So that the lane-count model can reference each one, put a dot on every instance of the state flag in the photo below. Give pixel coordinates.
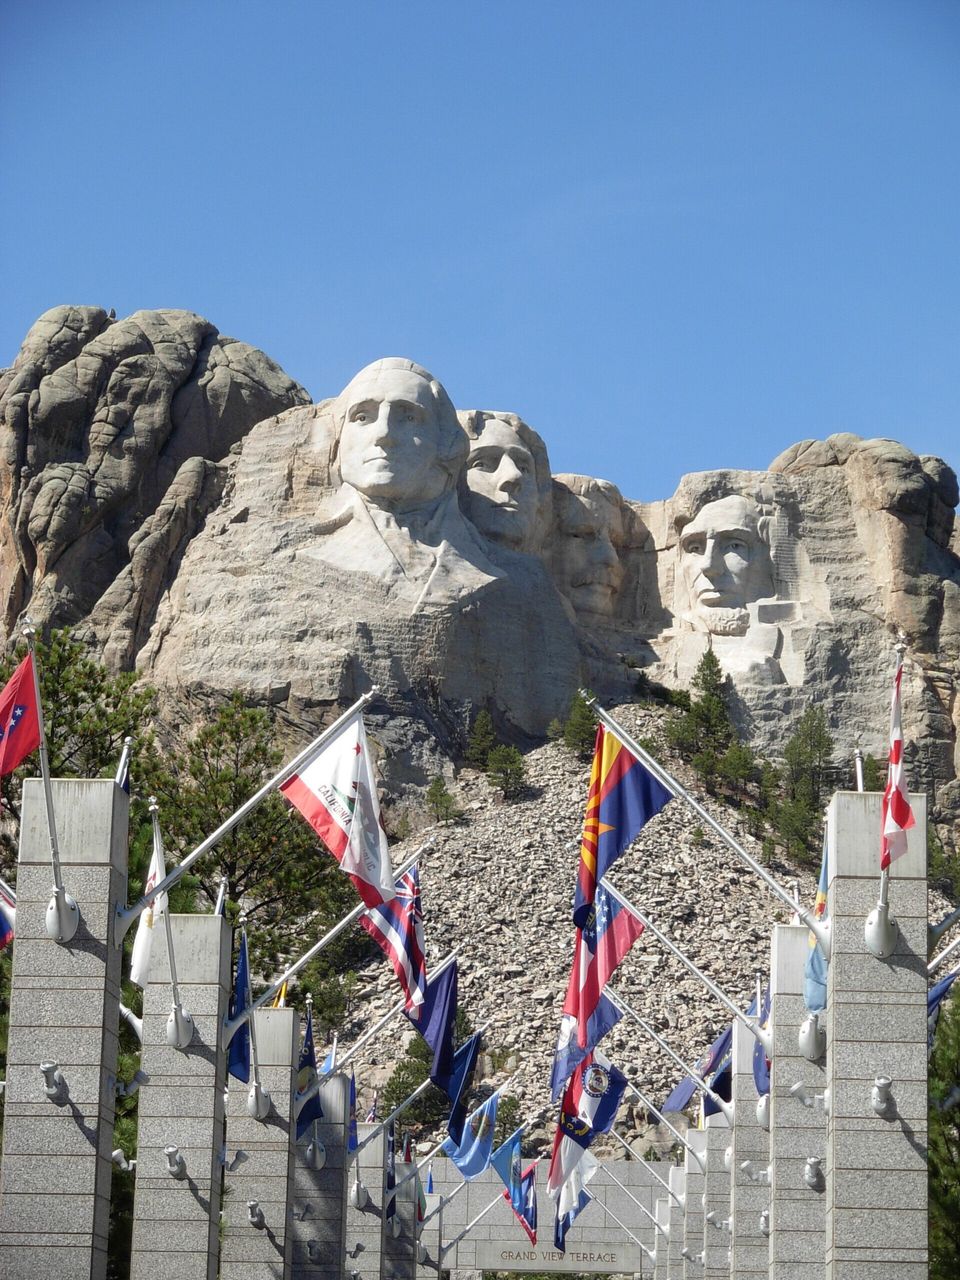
(815, 965)
(458, 1083)
(8, 920)
(507, 1162)
(472, 1153)
(306, 1100)
(337, 794)
(238, 1055)
(569, 1053)
(397, 928)
(143, 939)
(896, 814)
(573, 1198)
(608, 933)
(622, 797)
(526, 1214)
(19, 717)
(353, 1139)
(434, 1019)
(589, 1107)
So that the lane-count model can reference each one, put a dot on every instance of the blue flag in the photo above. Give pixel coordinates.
(435, 1021)
(238, 1055)
(761, 1063)
(472, 1153)
(307, 1080)
(569, 1054)
(706, 1066)
(352, 1140)
(815, 971)
(457, 1085)
(565, 1222)
(935, 998)
(390, 1178)
(430, 1179)
(506, 1160)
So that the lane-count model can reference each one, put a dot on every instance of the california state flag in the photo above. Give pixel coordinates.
(336, 793)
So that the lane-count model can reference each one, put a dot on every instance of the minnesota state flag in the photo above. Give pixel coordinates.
(622, 798)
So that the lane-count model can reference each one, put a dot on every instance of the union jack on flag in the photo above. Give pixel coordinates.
(397, 928)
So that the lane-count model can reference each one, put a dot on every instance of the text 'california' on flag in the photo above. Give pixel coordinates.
(19, 717)
(897, 815)
(623, 796)
(608, 933)
(336, 793)
(397, 928)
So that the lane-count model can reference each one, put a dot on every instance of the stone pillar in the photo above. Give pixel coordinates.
(678, 1185)
(399, 1241)
(797, 1132)
(662, 1214)
(748, 1141)
(264, 1152)
(364, 1231)
(876, 1196)
(318, 1200)
(716, 1200)
(176, 1223)
(693, 1207)
(64, 1008)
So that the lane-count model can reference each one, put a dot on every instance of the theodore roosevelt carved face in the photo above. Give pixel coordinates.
(400, 443)
(725, 564)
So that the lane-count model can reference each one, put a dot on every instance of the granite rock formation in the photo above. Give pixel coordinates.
(177, 498)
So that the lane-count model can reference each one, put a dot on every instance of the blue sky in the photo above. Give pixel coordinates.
(673, 236)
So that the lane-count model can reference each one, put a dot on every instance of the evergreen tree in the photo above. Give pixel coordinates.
(482, 740)
(580, 727)
(806, 759)
(703, 734)
(507, 771)
(440, 802)
(944, 1146)
(433, 1105)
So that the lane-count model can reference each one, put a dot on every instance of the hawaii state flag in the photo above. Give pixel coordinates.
(623, 796)
(397, 928)
(19, 717)
(336, 793)
(608, 933)
(897, 815)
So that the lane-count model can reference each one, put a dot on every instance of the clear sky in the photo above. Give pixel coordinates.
(671, 235)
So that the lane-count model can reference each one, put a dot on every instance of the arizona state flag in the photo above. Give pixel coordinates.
(622, 798)
(19, 718)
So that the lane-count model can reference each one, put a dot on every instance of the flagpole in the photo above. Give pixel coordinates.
(180, 1023)
(819, 928)
(124, 764)
(392, 1116)
(643, 1209)
(649, 1252)
(934, 931)
(8, 890)
(397, 1008)
(445, 1248)
(125, 916)
(232, 1025)
(638, 1093)
(446, 1200)
(937, 961)
(258, 1099)
(722, 1103)
(648, 1166)
(63, 914)
(880, 929)
(519, 1129)
(753, 1025)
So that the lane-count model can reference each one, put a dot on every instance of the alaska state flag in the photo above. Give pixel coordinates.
(815, 972)
(607, 934)
(457, 1085)
(623, 796)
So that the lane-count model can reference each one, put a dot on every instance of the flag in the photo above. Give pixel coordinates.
(238, 1055)
(336, 793)
(573, 1198)
(589, 1107)
(622, 797)
(330, 1061)
(608, 933)
(721, 1082)
(352, 1140)
(457, 1085)
(679, 1099)
(280, 999)
(397, 929)
(143, 939)
(815, 966)
(935, 998)
(372, 1113)
(897, 815)
(390, 1175)
(19, 717)
(430, 1179)
(761, 1063)
(8, 920)
(526, 1214)
(472, 1153)
(407, 1158)
(506, 1160)
(569, 1053)
(306, 1101)
(434, 1020)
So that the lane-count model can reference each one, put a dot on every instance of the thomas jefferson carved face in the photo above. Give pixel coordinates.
(400, 443)
(499, 491)
(725, 563)
(588, 529)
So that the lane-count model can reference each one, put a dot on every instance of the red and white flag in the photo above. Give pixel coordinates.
(897, 815)
(336, 793)
(397, 929)
(19, 718)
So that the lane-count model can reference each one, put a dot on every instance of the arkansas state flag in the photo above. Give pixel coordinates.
(897, 815)
(336, 793)
(623, 796)
(19, 718)
(397, 928)
(608, 934)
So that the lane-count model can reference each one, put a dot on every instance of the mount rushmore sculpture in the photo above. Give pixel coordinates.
(177, 499)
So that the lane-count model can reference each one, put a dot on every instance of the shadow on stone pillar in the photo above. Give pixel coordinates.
(748, 1141)
(318, 1199)
(693, 1208)
(56, 1166)
(716, 1200)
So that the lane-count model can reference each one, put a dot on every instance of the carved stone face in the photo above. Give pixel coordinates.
(724, 562)
(499, 492)
(589, 527)
(390, 440)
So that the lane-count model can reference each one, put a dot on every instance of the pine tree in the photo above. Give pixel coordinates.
(580, 727)
(482, 740)
(703, 734)
(440, 802)
(506, 771)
